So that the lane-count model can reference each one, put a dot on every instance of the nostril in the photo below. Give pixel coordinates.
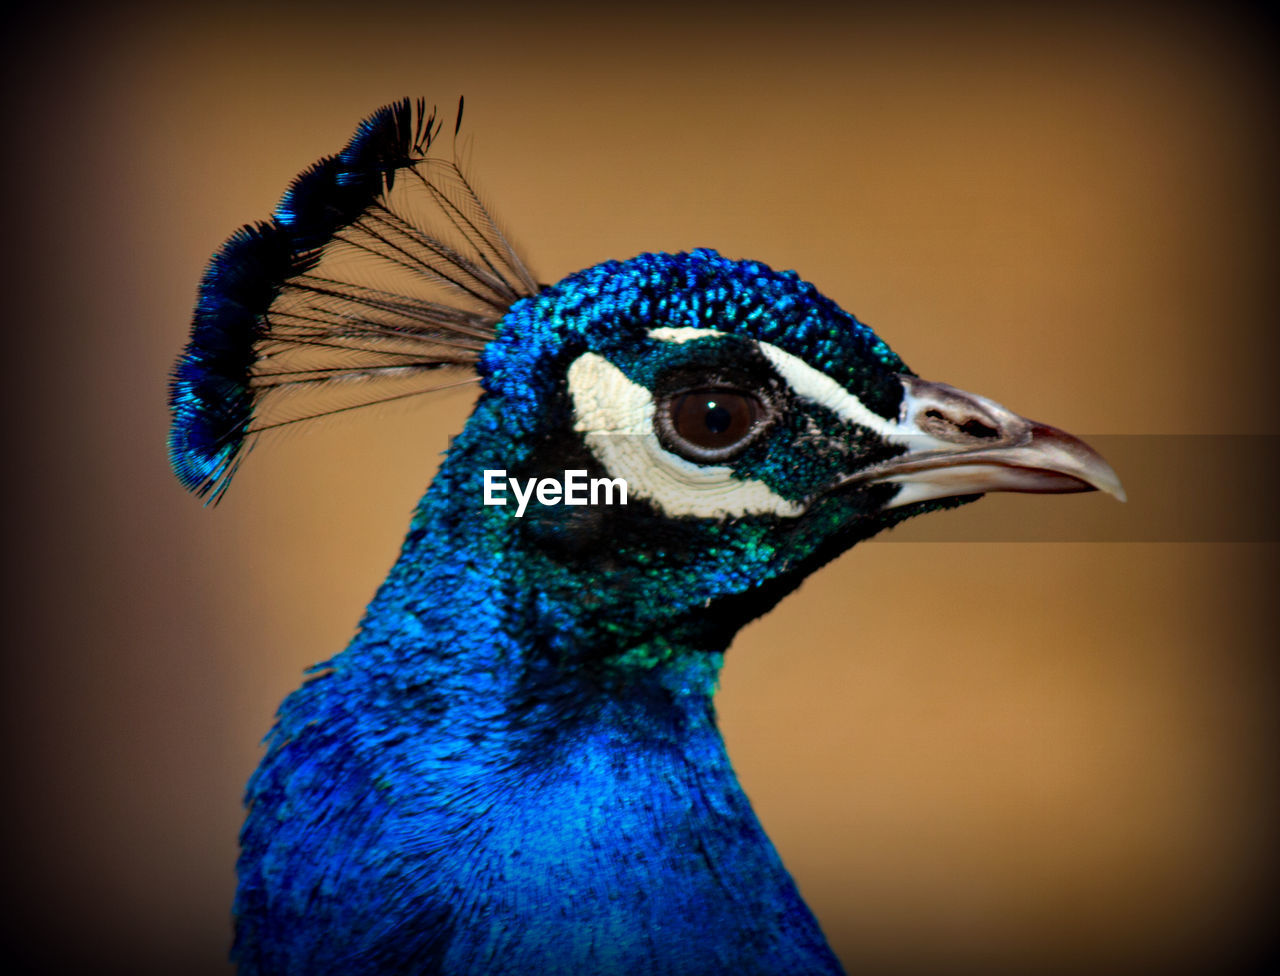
(939, 422)
(976, 428)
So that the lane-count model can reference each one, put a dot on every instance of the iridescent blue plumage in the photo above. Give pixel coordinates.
(515, 765)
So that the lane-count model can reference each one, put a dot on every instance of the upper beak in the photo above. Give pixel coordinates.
(962, 444)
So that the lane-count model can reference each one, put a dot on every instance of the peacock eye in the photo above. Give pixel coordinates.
(710, 425)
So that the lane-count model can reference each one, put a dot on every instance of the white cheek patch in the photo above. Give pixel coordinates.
(615, 417)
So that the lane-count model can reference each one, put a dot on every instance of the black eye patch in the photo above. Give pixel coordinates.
(714, 397)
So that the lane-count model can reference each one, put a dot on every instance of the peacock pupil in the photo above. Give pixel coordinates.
(718, 418)
(714, 419)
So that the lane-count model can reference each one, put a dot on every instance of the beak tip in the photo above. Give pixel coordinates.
(1116, 491)
(1103, 477)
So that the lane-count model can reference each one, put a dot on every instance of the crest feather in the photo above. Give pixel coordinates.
(379, 268)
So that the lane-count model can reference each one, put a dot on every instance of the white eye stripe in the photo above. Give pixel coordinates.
(817, 387)
(805, 381)
(615, 417)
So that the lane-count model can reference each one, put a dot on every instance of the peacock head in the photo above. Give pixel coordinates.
(755, 429)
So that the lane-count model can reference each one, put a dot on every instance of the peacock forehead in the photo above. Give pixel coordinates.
(611, 307)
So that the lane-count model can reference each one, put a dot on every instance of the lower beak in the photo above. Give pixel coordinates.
(962, 444)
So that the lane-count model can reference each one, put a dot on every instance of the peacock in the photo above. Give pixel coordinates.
(515, 765)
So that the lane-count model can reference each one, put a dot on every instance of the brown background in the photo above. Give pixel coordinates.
(975, 757)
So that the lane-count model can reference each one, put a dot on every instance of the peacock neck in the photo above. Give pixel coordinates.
(591, 791)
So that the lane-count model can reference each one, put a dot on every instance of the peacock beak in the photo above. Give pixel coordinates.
(960, 443)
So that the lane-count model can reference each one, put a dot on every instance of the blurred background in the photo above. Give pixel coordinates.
(977, 754)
